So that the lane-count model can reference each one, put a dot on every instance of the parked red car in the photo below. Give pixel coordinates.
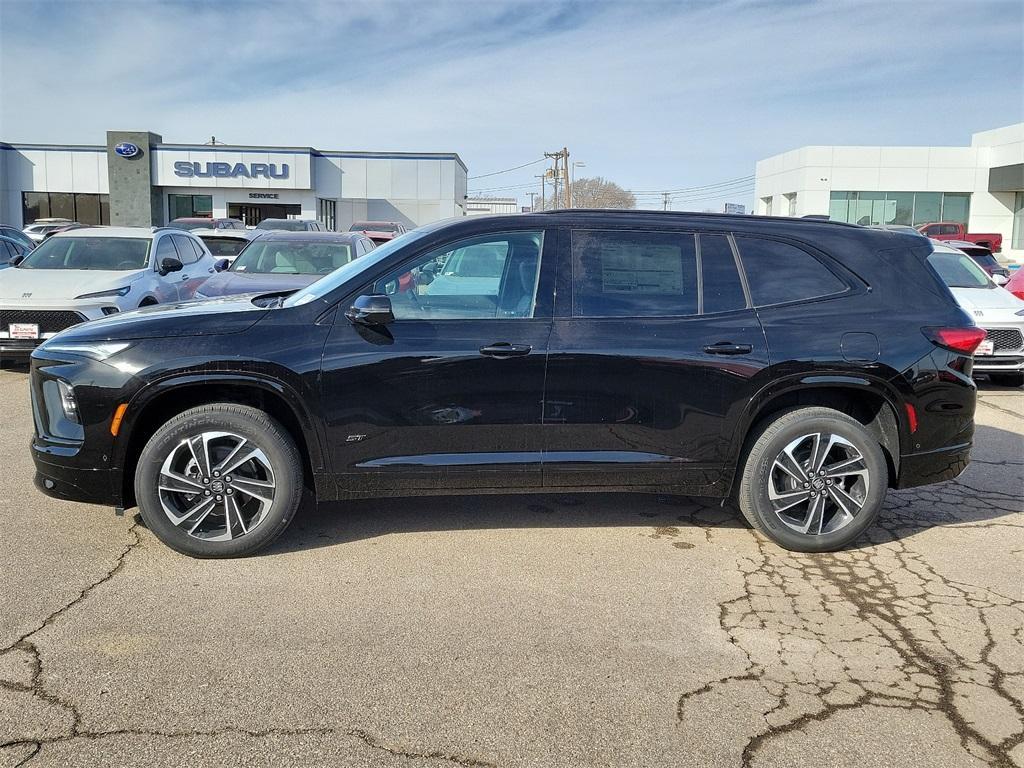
(1016, 283)
(951, 230)
(378, 231)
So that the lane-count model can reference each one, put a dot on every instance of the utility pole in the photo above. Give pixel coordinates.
(542, 190)
(664, 201)
(560, 175)
(532, 195)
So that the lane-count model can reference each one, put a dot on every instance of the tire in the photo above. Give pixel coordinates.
(846, 501)
(185, 498)
(1007, 379)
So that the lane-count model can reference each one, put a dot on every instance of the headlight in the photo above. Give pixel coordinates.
(103, 294)
(96, 350)
(67, 401)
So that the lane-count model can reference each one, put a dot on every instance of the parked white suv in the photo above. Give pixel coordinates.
(999, 312)
(84, 274)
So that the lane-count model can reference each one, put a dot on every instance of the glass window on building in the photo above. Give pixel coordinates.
(927, 207)
(906, 208)
(838, 206)
(1017, 237)
(791, 204)
(956, 206)
(327, 213)
(62, 205)
(76, 206)
(189, 206)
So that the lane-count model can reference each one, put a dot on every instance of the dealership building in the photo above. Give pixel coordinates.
(981, 185)
(138, 180)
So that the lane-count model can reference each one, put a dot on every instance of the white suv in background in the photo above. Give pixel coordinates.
(84, 274)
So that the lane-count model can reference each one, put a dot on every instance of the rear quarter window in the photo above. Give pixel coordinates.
(778, 273)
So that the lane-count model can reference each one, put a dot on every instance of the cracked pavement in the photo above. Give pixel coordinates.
(556, 630)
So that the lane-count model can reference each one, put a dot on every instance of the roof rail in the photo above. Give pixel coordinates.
(696, 214)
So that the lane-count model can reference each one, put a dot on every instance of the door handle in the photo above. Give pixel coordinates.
(728, 348)
(503, 349)
(184, 278)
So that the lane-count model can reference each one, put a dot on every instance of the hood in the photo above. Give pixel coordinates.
(228, 283)
(62, 283)
(989, 304)
(191, 318)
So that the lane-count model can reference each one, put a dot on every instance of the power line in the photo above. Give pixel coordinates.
(507, 170)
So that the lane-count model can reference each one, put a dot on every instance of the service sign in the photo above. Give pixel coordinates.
(253, 169)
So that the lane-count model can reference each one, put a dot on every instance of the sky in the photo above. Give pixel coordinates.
(651, 95)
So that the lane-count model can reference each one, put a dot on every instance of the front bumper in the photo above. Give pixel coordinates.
(75, 483)
(999, 364)
(51, 317)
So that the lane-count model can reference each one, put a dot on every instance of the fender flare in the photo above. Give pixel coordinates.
(311, 434)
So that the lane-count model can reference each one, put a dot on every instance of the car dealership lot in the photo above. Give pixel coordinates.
(519, 630)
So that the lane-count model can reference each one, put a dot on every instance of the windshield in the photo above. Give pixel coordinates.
(101, 253)
(325, 285)
(985, 259)
(189, 225)
(282, 257)
(958, 270)
(285, 225)
(224, 247)
(373, 226)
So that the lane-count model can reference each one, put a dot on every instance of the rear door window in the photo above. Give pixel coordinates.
(185, 251)
(778, 272)
(634, 274)
(721, 287)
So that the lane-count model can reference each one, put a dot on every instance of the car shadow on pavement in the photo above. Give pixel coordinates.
(987, 491)
(331, 523)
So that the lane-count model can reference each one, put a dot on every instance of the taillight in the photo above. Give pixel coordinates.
(964, 340)
(1019, 294)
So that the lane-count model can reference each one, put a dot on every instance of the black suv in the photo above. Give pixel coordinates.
(800, 367)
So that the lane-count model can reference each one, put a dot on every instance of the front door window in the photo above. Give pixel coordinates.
(489, 277)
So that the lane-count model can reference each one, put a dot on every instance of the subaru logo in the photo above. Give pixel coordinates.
(127, 149)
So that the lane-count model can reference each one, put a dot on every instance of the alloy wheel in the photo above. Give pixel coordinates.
(818, 483)
(216, 486)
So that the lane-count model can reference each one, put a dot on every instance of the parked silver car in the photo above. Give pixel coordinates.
(86, 274)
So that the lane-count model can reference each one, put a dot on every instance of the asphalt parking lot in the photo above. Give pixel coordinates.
(556, 630)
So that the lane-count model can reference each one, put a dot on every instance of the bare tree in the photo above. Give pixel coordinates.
(597, 192)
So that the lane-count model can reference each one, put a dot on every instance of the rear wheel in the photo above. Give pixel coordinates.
(220, 480)
(813, 480)
(1007, 379)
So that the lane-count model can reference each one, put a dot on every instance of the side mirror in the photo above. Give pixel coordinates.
(17, 260)
(371, 310)
(170, 264)
(1000, 279)
(221, 264)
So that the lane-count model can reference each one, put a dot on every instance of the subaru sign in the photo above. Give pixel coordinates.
(127, 149)
(188, 170)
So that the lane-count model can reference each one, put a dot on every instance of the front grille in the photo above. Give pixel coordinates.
(48, 320)
(1006, 339)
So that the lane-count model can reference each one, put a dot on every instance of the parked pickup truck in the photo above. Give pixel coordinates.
(950, 230)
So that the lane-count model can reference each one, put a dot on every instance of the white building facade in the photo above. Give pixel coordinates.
(103, 184)
(481, 206)
(981, 186)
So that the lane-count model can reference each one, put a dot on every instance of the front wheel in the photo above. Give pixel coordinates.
(813, 480)
(220, 480)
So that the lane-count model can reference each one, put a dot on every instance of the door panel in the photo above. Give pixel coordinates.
(648, 401)
(442, 397)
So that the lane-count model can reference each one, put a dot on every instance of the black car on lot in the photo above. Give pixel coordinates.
(280, 261)
(800, 367)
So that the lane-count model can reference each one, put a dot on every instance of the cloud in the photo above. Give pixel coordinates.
(651, 95)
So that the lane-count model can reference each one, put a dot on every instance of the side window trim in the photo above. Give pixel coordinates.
(700, 273)
(742, 272)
